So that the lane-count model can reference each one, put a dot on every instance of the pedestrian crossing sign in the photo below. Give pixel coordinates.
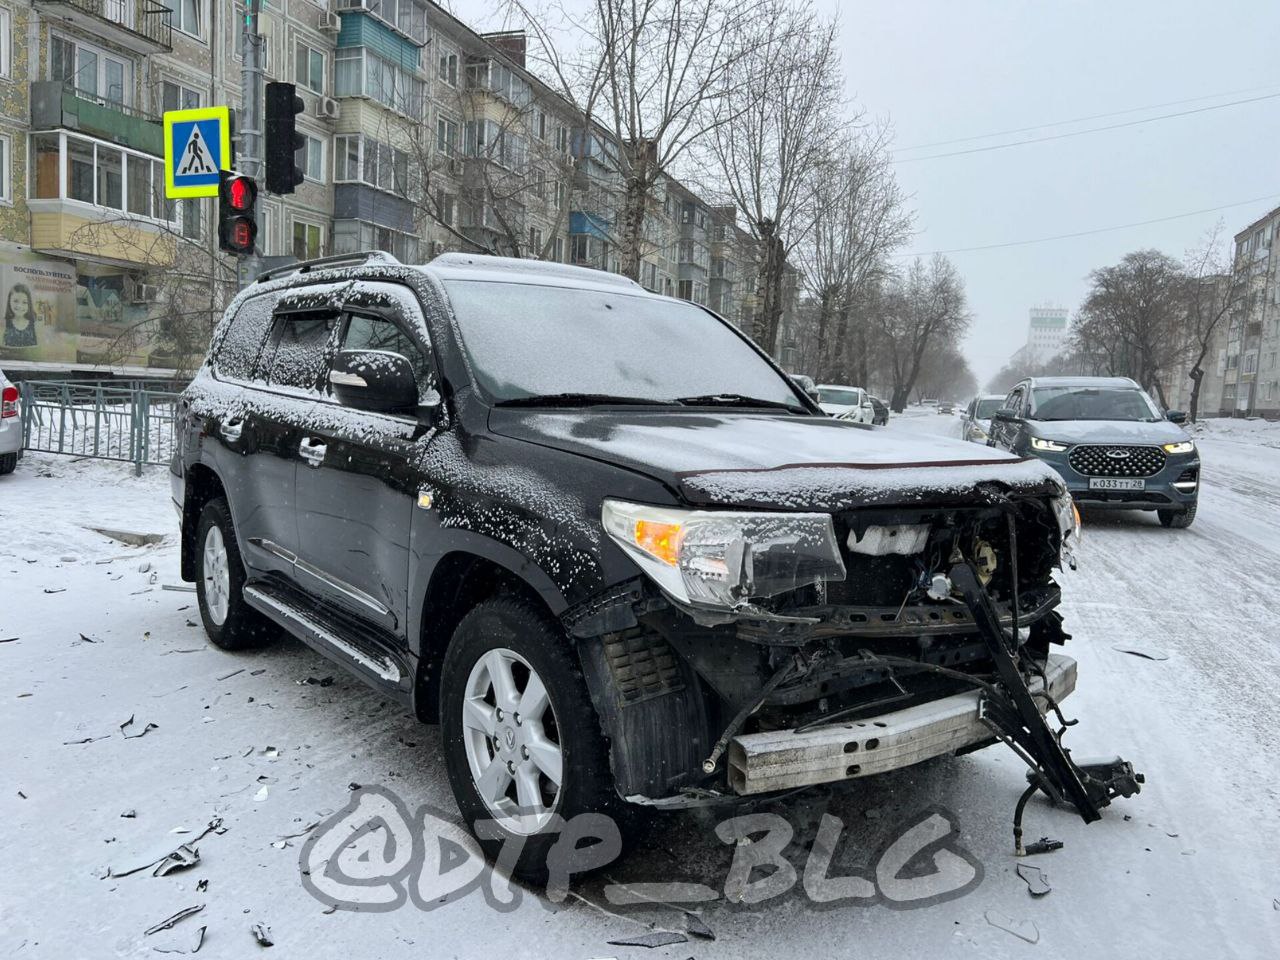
(197, 147)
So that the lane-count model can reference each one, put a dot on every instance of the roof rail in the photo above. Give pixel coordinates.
(337, 260)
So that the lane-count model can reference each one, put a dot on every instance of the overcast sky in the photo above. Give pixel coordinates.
(942, 70)
(947, 69)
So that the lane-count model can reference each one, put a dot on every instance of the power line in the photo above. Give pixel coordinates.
(1080, 133)
(1096, 116)
(1088, 233)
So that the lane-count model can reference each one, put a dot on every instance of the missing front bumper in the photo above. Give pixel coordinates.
(785, 759)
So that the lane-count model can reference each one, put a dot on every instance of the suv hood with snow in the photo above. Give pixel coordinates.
(717, 458)
(1108, 431)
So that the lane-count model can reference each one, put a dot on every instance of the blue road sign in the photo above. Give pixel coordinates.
(197, 146)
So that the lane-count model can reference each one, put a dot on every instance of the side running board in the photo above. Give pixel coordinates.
(323, 635)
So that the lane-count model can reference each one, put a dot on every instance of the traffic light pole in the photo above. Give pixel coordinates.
(250, 154)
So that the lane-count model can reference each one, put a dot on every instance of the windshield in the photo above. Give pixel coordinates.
(987, 408)
(527, 340)
(844, 398)
(1093, 403)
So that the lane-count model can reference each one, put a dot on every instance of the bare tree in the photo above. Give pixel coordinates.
(780, 125)
(860, 218)
(925, 308)
(1215, 290)
(1132, 321)
(651, 74)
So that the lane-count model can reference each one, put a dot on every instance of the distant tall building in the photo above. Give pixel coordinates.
(1046, 333)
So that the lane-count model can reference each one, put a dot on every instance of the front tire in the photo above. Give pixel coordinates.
(8, 462)
(1178, 519)
(230, 622)
(522, 741)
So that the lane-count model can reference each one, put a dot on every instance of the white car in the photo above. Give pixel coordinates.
(975, 422)
(846, 403)
(10, 426)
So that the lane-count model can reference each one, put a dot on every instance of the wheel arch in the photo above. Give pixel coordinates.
(202, 485)
(459, 581)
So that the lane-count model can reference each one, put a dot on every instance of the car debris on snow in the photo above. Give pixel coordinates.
(1035, 878)
(1144, 654)
(195, 948)
(697, 927)
(183, 858)
(130, 538)
(7, 639)
(313, 681)
(88, 639)
(177, 587)
(228, 676)
(658, 938)
(129, 814)
(124, 729)
(71, 743)
(262, 933)
(176, 918)
(1044, 845)
(1023, 929)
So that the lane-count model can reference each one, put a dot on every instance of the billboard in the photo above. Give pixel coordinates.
(38, 297)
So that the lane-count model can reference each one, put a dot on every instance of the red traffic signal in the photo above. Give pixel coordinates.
(237, 226)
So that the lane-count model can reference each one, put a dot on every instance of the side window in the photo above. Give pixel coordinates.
(366, 332)
(241, 344)
(1013, 399)
(297, 351)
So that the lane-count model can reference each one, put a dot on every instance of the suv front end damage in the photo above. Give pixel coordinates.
(816, 646)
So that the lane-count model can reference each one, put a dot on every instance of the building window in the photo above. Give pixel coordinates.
(448, 69)
(562, 190)
(310, 157)
(309, 68)
(95, 172)
(190, 218)
(361, 73)
(444, 207)
(407, 16)
(6, 42)
(535, 242)
(366, 160)
(92, 71)
(352, 235)
(184, 15)
(446, 136)
(557, 249)
(174, 96)
(308, 240)
(540, 124)
(6, 172)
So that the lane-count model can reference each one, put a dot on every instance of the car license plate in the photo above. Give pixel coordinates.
(1116, 483)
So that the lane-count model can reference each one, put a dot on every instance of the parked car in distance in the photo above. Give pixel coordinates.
(1108, 440)
(947, 407)
(975, 422)
(929, 402)
(10, 426)
(806, 384)
(846, 403)
(602, 539)
(880, 409)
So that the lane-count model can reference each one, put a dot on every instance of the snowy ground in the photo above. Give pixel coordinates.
(1187, 869)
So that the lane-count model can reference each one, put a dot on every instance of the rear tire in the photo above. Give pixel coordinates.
(1178, 519)
(230, 622)
(8, 462)
(512, 639)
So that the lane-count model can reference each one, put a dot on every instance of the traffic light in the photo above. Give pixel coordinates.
(237, 226)
(282, 141)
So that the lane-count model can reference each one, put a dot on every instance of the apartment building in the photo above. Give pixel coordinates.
(1250, 361)
(422, 136)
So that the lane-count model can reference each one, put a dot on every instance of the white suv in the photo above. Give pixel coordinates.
(846, 403)
(10, 426)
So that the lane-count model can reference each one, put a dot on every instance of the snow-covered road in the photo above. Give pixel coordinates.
(1187, 869)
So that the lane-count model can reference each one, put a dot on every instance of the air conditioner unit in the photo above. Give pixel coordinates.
(329, 21)
(327, 108)
(144, 292)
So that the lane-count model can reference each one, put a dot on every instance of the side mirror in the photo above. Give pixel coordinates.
(1006, 413)
(374, 380)
(1176, 416)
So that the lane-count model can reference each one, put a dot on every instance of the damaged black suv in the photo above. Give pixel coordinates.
(608, 544)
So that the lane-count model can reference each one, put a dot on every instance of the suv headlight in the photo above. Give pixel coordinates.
(1182, 446)
(1050, 446)
(721, 559)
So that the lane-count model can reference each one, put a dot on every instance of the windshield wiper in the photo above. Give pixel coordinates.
(578, 400)
(738, 400)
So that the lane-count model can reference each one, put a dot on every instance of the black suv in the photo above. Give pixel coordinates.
(603, 540)
(1108, 440)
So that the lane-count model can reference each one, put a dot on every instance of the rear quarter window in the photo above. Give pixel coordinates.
(298, 350)
(247, 331)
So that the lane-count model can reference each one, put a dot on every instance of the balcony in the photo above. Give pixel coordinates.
(143, 26)
(57, 105)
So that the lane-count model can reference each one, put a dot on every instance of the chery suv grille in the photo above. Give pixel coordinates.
(1098, 460)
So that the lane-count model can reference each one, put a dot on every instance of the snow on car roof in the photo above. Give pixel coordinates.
(1081, 382)
(466, 266)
